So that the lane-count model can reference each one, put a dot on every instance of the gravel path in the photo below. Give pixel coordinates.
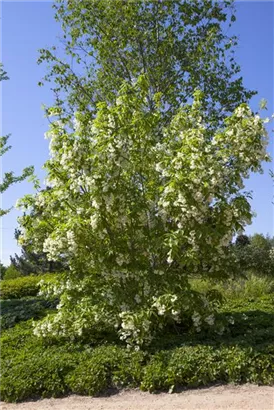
(247, 397)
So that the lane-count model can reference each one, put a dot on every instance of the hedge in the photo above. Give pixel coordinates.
(23, 286)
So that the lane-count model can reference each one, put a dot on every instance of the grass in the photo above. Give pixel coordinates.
(33, 368)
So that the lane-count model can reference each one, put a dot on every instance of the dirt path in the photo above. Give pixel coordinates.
(247, 397)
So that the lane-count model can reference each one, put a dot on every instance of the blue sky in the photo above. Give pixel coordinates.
(28, 26)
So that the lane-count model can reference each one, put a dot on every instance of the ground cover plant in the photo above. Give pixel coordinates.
(33, 367)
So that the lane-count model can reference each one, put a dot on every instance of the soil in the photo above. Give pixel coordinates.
(246, 397)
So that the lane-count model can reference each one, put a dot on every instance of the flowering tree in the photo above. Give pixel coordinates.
(137, 208)
(180, 45)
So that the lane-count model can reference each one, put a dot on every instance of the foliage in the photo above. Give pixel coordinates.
(9, 178)
(23, 286)
(32, 263)
(3, 73)
(11, 273)
(34, 367)
(250, 286)
(41, 375)
(180, 45)
(31, 369)
(137, 208)
(17, 310)
(257, 255)
(104, 367)
(242, 240)
(195, 366)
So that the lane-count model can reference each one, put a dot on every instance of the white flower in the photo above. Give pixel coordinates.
(196, 318)
(137, 299)
(271, 253)
(161, 310)
(240, 111)
(231, 320)
(120, 260)
(94, 221)
(158, 167)
(210, 320)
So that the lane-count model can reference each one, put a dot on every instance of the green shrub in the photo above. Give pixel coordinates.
(200, 365)
(255, 255)
(32, 369)
(23, 286)
(107, 366)
(36, 375)
(17, 310)
(251, 286)
(130, 370)
(89, 378)
(11, 273)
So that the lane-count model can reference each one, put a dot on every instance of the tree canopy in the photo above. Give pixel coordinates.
(180, 45)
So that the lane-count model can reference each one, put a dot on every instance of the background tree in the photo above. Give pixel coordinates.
(11, 273)
(242, 240)
(255, 254)
(9, 177)
(3, 269)
(30, 262)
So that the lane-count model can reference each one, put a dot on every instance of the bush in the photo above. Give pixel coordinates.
(194, 366)
(11, 273)
(23, 286)
(41, 375)
(250, 286)
(14, 310)
(35, 367)
(107, 366)
(32, 369)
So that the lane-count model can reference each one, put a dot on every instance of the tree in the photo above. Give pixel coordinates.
(179, 45)
(30, 262)
(261, 242)
(3, 269)
(145, 186)
(9, 177)
(137, 208)
(256, 255)
(3, 73)
(260, 252)
(11, 273)
(242, 240)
